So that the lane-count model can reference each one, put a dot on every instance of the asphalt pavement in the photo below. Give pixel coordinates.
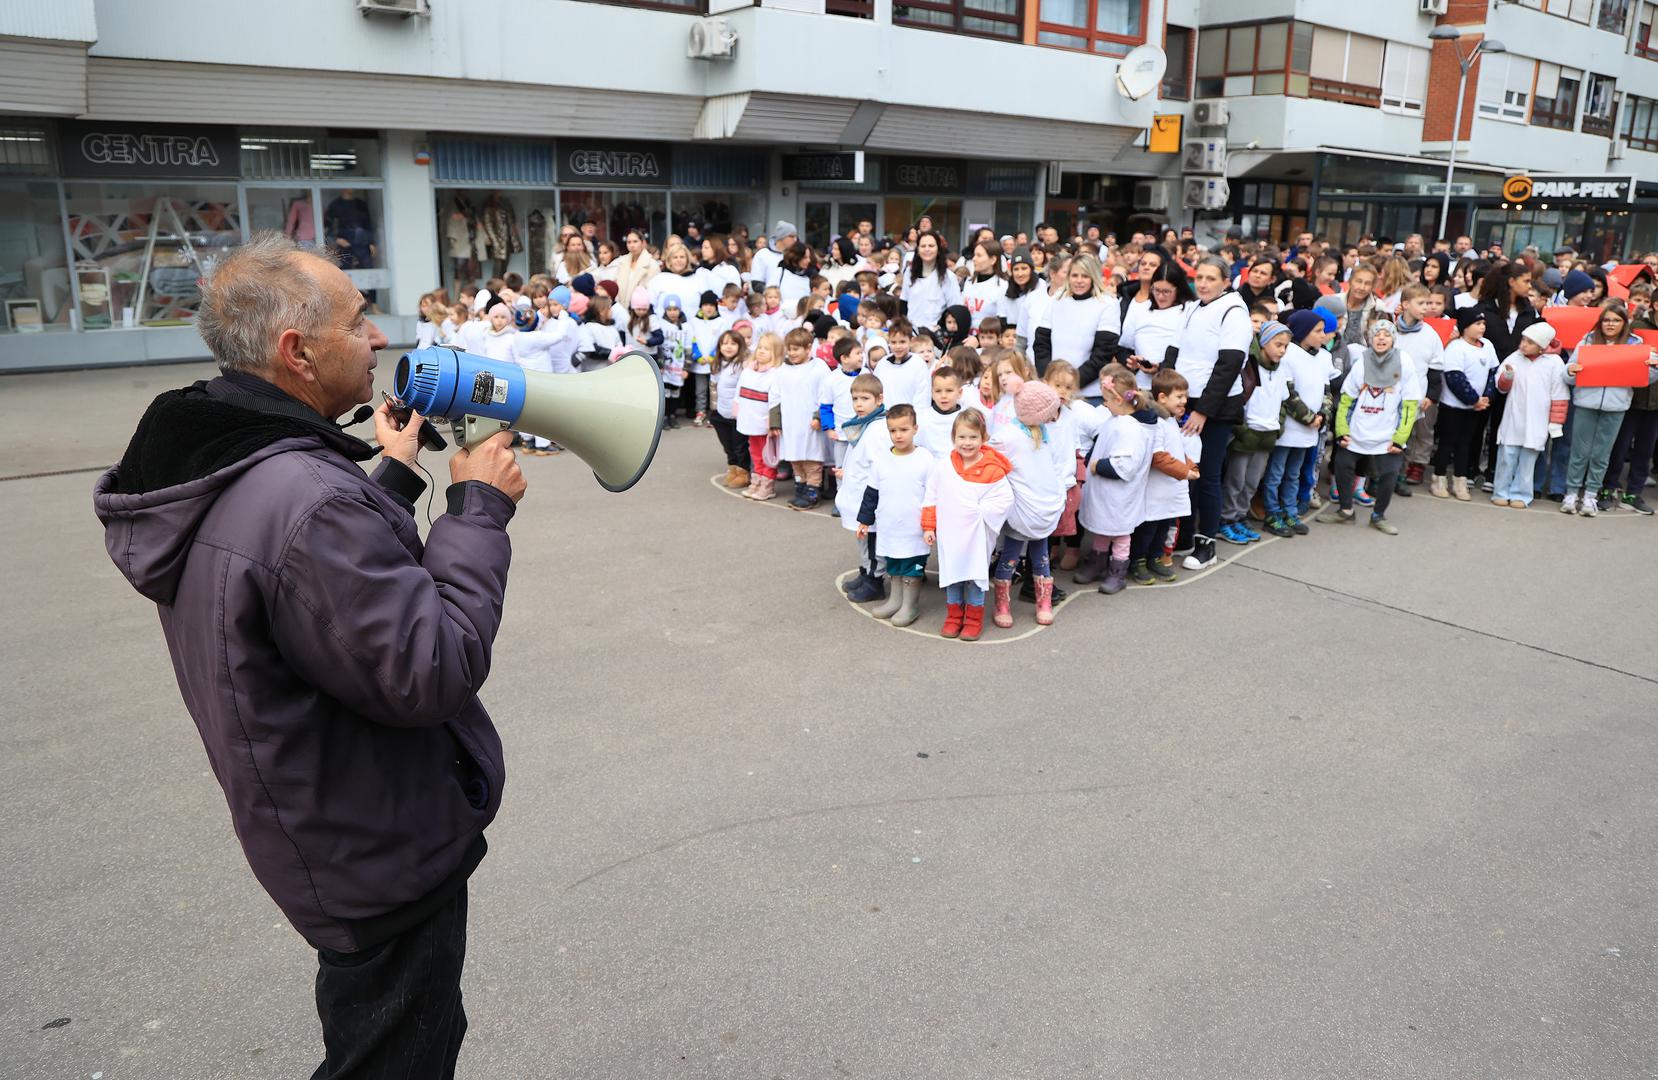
(1348, 806)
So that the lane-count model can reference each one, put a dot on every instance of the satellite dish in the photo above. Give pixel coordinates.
(1141, 72)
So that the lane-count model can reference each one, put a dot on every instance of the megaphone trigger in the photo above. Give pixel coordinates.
(611, 418)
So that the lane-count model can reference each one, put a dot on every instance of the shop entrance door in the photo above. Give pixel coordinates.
(825, 219)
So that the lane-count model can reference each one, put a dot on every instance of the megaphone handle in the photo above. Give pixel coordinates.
(472, 430)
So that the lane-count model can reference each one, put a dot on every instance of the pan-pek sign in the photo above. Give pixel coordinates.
(1524, 190)
(97, 149)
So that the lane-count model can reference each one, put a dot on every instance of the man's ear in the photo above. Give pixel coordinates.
(294, 357)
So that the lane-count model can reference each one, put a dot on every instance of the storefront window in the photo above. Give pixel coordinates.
(484, 233)
(902, 212)
(139, 249)
(613, 213)
(717, 212)
(351, 226)
(289, 211)
(1013, 216)
(34, 276)
(292, 153)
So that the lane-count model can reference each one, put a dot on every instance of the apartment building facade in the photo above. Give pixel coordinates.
(138, 135)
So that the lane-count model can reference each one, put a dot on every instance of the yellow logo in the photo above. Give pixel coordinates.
(1517, 188)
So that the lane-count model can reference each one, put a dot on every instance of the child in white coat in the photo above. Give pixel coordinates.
(1168, 483)
(756, 419)
(891, 508)
(862, 436)
(1538, 397)
(1114, 496)
(966, 503)
(799, 387)
(1042, 463)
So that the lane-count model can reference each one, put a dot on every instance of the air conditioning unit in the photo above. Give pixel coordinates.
(1153, 194)
(400, 8)
(711, 39)
(1212, 113)
(1205, 193)
(1203, 156)
(1433, 7)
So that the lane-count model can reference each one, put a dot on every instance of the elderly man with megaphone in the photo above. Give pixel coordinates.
(330, 659)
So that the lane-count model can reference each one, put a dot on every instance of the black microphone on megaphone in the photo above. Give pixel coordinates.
(610, 418)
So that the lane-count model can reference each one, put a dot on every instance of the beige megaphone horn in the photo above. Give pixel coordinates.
(610, 418)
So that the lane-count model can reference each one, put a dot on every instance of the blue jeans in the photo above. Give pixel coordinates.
(1013, 547)
(964, 592)
(1550, 475)
(1206, 492)
(1283, 483)
(1309, 473)
(1513, 480)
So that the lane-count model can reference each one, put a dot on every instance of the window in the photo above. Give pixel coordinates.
(1614, 16)
(1238, 61)
(1640, 124)
(1575, 10)
(857, 9)
(1111, 27)
(1644, 44)
(1600, 106)
(1505, 86)
(32, 266)
(1346, 67)
(984, 18)
(1404, 78)
(1556, 104)
(1177, 80)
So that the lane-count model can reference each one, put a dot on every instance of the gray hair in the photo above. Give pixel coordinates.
(251, 294)
(1218, 263)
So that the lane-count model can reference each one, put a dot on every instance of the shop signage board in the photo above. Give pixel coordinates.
(622, 163)
(1165, 134)
(847, 166)
(1524, 190)
(111, 149)
(927, 176)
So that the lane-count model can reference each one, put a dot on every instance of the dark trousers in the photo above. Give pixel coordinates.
(734, 445)
(1206, 489)
(1634, 446)
(1147, 542)
(1493, 420)
(1383, 468)
(1457, 435)
(394, 1010)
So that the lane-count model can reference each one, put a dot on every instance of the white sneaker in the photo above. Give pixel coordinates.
(1568, 505)
(1586, 506)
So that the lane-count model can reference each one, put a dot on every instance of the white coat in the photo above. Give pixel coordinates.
(970, 518)
(855, 470)
(902, 481)
(927, 297)
(1039, 478)
(798, 389)
(1117, 507)
(1537, 385)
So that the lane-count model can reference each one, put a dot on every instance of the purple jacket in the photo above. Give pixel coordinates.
(331, 661)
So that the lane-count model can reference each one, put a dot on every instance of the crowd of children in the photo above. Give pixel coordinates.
(995, 410)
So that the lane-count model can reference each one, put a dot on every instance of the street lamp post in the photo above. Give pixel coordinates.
(1484, 45)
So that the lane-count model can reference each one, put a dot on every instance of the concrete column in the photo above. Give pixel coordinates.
(411, 224)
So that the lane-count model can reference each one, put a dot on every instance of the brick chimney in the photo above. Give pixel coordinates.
(1444, 71)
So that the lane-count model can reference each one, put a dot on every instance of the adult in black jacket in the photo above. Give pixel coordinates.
(1259, 281)
(1505, 301)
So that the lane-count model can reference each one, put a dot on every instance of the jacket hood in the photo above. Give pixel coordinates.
(191, 444)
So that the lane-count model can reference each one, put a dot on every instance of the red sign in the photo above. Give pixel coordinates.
(1571, 323)
(1613, 365)
(1444, 326)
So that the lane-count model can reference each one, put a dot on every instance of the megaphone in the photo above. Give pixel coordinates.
(611, 418)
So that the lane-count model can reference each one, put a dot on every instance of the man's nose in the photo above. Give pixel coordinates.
(377, 338)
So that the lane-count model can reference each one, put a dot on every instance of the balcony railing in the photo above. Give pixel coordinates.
(1347, 93)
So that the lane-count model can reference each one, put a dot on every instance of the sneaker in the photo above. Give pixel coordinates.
(1232, 534)
(1140, 573)
(1315, 501)
(1607, 501)
(1305, 509)
(1486, 485)
(1586, 506)
(1554, 497)
(1401, 488)
(1335, 515)
(1163, 568)
(1249, 534)
(1568, 504)
(1202, 556)
(1383, 525)
(1439, 487)
(1638, 504)
(800, 502)
(1184, 548)
(1297, 526)
(1277, 526)
(1413, 473)
(1363, 497)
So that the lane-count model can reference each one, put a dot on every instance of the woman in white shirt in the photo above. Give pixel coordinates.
(986, 286)
(718, 266)
(678, 279)
(1152, 326)
(929, 287)
(1080, 326)
(573, 260)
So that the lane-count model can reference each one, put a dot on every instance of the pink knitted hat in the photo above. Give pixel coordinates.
(1036, 403)
(639, 299)
(578, 305)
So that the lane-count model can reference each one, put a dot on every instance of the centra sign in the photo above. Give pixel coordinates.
(131, 150)
(1523, 189)
(624, 163)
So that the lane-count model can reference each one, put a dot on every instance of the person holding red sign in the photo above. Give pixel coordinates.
(1598, 413)
(1639, 435)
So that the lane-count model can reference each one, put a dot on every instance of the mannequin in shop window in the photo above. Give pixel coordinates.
(350, 228)
(537, 225)
(300, 224)
(500, 227)
(460, 232)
